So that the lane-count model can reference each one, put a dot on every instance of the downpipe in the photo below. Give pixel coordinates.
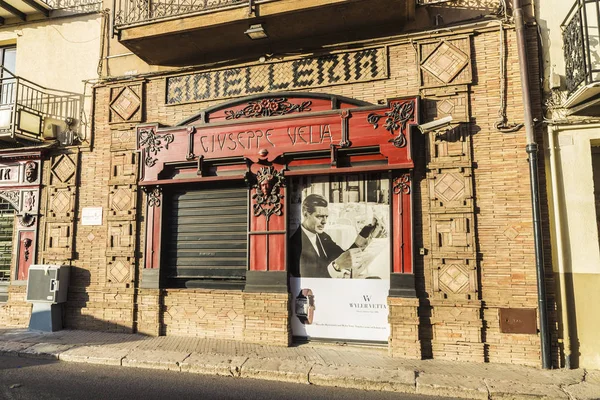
(532, 152)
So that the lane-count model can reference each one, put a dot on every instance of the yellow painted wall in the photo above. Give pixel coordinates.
(581, 257)
(586, 296)
(59, 53)
(575, 197)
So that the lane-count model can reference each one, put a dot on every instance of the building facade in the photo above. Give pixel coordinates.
(49, 50)
(248, 156)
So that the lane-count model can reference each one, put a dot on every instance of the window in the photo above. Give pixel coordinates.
(7, 217)
(8, 56)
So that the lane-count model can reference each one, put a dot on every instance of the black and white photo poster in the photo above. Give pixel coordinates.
(339, 256)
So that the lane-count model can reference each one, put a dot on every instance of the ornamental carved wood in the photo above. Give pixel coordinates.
(267, 197)
(268, 108)
(153, 144)
(402, 184)
(396, 120)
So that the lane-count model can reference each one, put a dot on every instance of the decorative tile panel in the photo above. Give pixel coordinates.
(455, 277)
(445, 62)
(439, 105)
(123, 167)
(450, 189)
(452, 233)
(122, 201)
(121, 237)
(63, 169)
(122, 139)
(450, 147)
(126, 103)
(59, 240)
(119, 271)
(61, 202)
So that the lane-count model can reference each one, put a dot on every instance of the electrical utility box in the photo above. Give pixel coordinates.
(47, 287)
(48, 284)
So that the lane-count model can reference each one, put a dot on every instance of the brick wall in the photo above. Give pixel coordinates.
(267, 318)
(404, 327)
(15, 313)
(489, 228)
(203, 313)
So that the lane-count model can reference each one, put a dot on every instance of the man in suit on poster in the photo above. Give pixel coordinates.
(314, 254)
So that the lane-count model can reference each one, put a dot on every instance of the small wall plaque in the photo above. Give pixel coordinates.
(91, 216)
(518, 320)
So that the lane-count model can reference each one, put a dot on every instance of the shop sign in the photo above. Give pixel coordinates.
(9, 173)
(326, 70)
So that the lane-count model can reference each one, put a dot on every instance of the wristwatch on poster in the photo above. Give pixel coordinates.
(305, 306)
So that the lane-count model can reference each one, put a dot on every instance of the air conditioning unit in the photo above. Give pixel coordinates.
(52, 127)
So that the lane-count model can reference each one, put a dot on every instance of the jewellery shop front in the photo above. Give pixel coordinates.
(294, 210)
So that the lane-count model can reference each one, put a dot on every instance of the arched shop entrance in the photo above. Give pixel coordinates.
(303, 194)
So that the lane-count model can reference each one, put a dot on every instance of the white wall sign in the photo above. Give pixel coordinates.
(91, 216)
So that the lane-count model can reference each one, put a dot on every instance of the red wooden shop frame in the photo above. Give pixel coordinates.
(294, 134)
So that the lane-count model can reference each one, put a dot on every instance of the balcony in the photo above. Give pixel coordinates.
(581, 45)
(18, 11)
(30, 112)
(185, 32)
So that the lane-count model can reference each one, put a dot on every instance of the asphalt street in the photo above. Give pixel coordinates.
(28, 379)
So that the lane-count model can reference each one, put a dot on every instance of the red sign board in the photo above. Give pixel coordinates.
(384, 129)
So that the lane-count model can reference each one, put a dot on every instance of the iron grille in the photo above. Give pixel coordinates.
(7, 216)
(581, 44)
(78, 6)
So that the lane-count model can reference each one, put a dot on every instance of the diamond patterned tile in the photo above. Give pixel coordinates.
(126, 104)
(120, 271)
(449, 187)
(454, 278)
(63, 168)
(61, 203)
(445, 62)
(121, 199)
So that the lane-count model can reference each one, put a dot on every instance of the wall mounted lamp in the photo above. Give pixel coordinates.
(256, 31)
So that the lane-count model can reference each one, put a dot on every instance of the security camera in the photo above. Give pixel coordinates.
(435, 125)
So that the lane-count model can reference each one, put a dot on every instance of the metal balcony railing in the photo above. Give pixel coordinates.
(24, 105)
(129, 12)
(581, 44)
(80, 6)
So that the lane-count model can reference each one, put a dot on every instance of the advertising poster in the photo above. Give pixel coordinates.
(339, 257)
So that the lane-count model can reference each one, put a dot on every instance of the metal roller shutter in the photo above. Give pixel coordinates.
(206, 235)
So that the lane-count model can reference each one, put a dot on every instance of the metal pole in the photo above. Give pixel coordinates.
(532, 151)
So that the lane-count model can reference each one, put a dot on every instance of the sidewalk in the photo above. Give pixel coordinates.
(327, 365)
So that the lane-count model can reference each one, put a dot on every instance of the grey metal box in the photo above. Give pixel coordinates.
(48, 284)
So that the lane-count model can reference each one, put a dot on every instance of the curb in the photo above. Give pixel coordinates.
(398, 380)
